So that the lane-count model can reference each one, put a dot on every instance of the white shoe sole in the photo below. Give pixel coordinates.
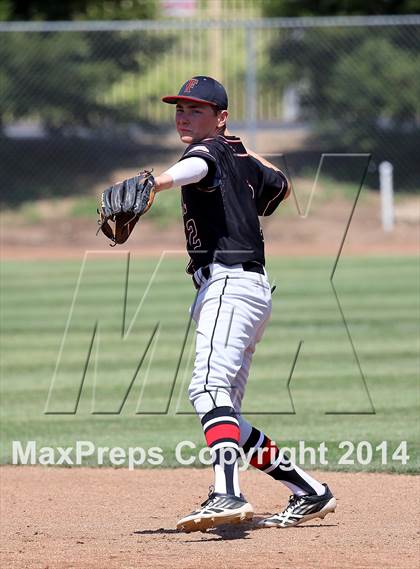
(329, 508)
(203, 522)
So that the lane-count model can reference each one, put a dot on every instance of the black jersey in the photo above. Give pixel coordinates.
(221, 211)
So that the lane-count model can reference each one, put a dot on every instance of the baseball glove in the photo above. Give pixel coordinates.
(124, 204)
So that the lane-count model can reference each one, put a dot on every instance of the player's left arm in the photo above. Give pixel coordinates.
(188, 171)
(163, 182)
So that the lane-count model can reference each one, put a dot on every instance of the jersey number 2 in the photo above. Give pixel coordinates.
(193, 238)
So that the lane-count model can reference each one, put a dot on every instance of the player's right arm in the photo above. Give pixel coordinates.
(262, 160)
(274, 187)
(268, 164)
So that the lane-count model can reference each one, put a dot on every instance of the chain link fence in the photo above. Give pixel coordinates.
(76, 97)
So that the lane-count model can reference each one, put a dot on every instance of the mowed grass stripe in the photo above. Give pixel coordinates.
(48, 343)
(172, 305)
(285, 301)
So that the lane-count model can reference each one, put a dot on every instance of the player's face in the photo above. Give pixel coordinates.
(196, 121)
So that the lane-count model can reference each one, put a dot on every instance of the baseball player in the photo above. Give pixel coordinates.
(225, 187)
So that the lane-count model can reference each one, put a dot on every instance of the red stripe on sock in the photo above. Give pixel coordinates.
(265, 456)
(220, 432)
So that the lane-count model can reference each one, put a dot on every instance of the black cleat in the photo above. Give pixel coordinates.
(218, 509)
(300, 509)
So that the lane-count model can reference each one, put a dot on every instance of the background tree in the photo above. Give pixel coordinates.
(62, 81)
(80, 9)
(296, 8)
(359, 88)
(65, 79)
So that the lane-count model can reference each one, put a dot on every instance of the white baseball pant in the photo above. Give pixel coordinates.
(231, 310)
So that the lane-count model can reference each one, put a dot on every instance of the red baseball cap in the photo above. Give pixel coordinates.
(201, 89)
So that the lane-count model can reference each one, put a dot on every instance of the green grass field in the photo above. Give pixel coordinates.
(328, 400)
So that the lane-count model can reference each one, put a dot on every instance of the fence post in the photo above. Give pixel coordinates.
(251, 88)
(216, 38)
(387, 195)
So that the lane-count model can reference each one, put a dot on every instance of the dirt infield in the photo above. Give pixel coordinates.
(94, 518)
(287, 235)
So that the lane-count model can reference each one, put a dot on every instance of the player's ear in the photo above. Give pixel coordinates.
(222, 118)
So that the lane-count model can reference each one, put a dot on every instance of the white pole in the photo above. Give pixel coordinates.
(251, 88)
(387, 195)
